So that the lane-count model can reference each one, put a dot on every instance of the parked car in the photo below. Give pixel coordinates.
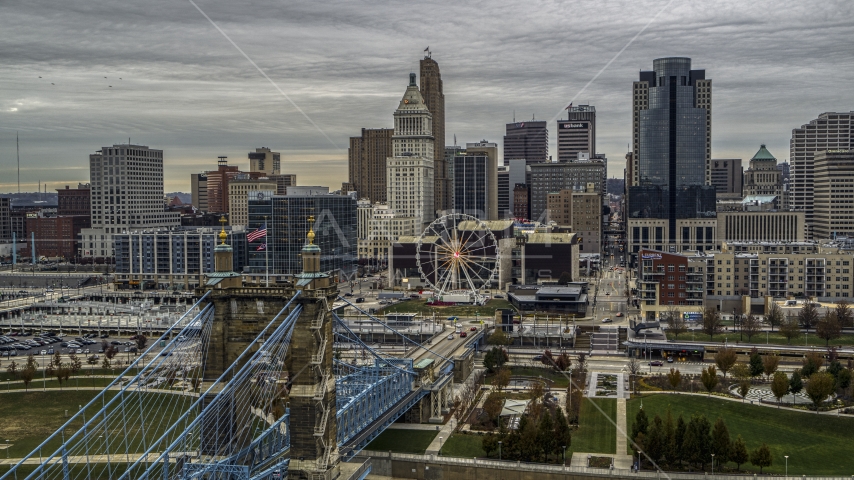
(106, 335)
(43, 352)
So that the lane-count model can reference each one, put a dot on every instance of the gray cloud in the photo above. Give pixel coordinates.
(775, 65)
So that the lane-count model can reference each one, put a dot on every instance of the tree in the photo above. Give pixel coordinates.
(489, 443)
(111, 352)
(738, 454)
(808, 316)
(774, 317)
(743, 389)
(92, 360)
(679, 440)
(725, 359)
(502, 379)
(495, 358)
(790, 329)
(670, 448)
(582, 362)
(720, 441)
(675, 321)
(750, 326)
(674, 378)
(756, 366)
(55, 362)
(697, 444)
(828, 328)
(563, 362)
(546, 434)
(564, 279)
(709, 377)
(761, 457)
(12, 369)
(770, 364)
(499, 338)
(655, 440)
(492, 406)
(106, 363)
(780, 386)
(843, 381)
(819, 387)
(641, 425)
(741, 371)
(28, 373)
(795, 385)
(844, 314)
(562, 434)
(813, 361)
(712, 323)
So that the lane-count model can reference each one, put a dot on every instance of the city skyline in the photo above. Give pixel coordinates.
(189, 92)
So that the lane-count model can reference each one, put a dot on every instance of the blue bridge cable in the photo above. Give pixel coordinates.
(13, 469)
(287, 323)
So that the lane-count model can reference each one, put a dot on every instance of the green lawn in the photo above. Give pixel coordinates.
(71, 384)
(597, 433)
(774, 338)
(465, 446)
(28, 418)
(403, 441)
(420, 306)
(816, 444)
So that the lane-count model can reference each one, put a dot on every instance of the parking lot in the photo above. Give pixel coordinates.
(16, 344)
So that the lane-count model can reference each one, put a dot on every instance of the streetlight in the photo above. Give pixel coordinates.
(499, 449)
(713, 464)
(7, 449)
(564, 455)
(440, 446)
(786, 456)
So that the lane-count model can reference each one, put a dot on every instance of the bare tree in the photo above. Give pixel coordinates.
(828, 328)
(675, 321)
(750, 326)
(844, 314)
(712, 323)
(774, 316)
(808, 317)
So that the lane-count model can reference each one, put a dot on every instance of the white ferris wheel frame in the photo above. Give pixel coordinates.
(454, 258)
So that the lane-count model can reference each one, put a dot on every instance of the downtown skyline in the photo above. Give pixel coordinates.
(187, 90)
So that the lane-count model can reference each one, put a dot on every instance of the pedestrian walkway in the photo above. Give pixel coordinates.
(445, 433)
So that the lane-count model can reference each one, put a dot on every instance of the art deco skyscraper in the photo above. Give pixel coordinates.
(434, 99)
(409, 172)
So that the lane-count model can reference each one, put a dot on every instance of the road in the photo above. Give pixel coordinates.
(610, 298)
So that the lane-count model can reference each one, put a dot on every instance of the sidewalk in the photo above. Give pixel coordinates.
(444, 433)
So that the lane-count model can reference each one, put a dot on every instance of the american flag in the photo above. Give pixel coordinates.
(260, 233)
(261, 247)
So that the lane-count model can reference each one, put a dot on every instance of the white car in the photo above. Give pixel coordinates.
(606, 320)
(451, 336)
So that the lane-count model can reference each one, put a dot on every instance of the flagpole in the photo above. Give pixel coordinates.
(266, 254)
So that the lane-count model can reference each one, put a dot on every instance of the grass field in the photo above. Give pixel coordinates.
(597, 433)
(403, 441)
(420, 306)
(28, 418)
(816, 444)
(774, 338)
(71, 384)
(465, 446)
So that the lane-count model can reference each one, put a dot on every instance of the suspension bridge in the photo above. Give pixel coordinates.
(247, 386)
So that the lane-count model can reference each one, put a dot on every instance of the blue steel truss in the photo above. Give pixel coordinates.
(256, 444)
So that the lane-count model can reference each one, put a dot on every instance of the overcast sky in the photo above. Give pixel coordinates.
(178, 84)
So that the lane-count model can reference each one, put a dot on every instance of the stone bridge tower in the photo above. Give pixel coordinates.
(314, 429)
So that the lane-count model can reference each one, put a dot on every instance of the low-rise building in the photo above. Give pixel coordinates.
(668, 281)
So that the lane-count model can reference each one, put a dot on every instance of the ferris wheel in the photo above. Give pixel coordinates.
(457, 253)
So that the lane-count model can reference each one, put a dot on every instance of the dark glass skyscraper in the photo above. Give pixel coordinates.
(528, 140)
(672, 125)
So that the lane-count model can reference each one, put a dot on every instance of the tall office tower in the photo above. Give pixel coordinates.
(434, 99)
(262, 160)
(126, 185)
(476, 185)
(553, 177)
(490, 201)
(199, 191)
(577, 133)
(528, 140)
(833, 211)
(764, 178)
(409, 171)
(672, 145)
(505, 205)
(727, 175)
(521, 202)
(367, 163)
(450, 153)
(830, 131)
(581, 210)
